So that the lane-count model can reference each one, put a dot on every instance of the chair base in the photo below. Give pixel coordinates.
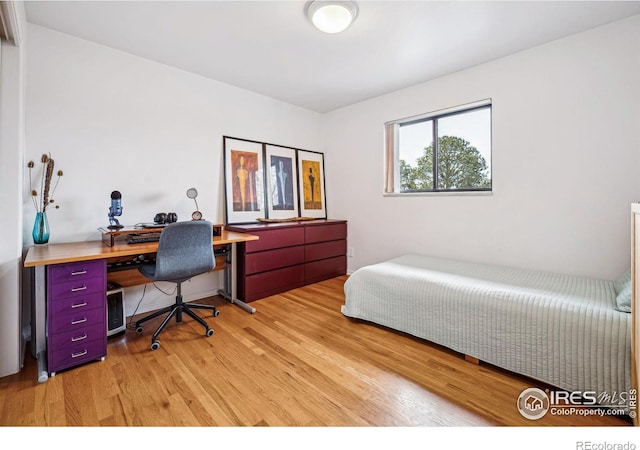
(176, 310)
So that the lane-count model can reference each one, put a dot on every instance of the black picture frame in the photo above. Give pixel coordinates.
(244, 180)
(311, 184)
(281, 179)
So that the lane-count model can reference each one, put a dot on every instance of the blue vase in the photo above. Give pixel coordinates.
(40, 229)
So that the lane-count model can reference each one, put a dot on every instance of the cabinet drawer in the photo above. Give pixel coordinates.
(75, 288)
(76, 320)
(77, 304)
(325, 269)
(77, 354)
(80, 336)
(321, 233)
(270, 283)
(76, 271)
(275, 238)
(323, 250)
(273, 259)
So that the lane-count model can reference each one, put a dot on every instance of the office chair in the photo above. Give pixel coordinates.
(185, 250)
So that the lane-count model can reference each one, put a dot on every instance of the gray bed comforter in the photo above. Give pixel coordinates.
(563, 330)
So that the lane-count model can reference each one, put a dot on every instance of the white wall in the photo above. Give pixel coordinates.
(113, 121)
(566, 159)
(565, 152)
(12, 126)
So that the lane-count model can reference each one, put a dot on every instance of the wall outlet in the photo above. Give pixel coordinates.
(350, 252)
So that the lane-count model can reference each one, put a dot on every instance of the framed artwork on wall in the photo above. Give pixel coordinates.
(281, 182)
(311, 184)
(244, 180)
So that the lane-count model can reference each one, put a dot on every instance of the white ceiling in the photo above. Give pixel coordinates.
(270, 48)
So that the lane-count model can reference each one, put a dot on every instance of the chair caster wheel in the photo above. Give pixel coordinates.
(138, 330)
(155, 345)
(209, 332)
(216, 313)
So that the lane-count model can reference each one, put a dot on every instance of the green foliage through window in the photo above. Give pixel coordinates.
(455, 162)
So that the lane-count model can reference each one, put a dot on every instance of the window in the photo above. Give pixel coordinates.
(446, 151)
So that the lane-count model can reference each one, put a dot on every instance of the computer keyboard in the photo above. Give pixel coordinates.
(142, 238)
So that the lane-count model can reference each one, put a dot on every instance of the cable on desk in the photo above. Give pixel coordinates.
(165, 293)
(131, 326)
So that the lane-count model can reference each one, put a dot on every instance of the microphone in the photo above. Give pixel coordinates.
(115, 210)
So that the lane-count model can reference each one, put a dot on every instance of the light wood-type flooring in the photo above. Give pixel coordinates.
(296, 362)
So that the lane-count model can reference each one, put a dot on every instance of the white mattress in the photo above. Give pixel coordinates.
(560, 329)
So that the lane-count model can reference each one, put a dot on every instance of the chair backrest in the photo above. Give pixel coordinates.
(185, 250)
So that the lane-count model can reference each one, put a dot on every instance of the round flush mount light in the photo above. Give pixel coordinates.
(331, 16)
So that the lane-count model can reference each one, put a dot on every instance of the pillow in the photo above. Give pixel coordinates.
(621, 282)
(623, 300)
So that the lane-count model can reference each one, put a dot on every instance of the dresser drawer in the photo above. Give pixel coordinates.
(78, 353)
(275, 238)
(76, 271)
(323, 250)
(76, 320)
(273, 259)
(77, 304)
(321, 233)
(81, 336)
(270, 283)
(76, 288)
(325, 269)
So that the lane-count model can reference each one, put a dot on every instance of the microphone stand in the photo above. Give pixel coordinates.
(114, 224)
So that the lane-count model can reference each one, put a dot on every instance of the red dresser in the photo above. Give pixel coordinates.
(289, 255)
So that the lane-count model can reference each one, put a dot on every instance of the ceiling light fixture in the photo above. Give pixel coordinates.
(331, 16)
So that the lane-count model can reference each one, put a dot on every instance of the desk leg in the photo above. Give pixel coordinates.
(229, 291)
(39, 322)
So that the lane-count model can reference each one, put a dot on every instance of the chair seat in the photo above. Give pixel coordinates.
(149, 271)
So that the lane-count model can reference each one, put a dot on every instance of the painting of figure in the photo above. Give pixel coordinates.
(247, 181)
(281, 183)
(312, 183)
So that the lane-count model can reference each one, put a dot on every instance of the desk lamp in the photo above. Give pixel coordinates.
(193, 193)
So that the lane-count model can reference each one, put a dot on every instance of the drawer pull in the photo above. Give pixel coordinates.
(79, 354)
(76, 322)
(79, 338)
(80, 272)
(78, 289)
(79, 305)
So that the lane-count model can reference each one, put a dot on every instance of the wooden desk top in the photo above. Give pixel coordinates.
(41, 255)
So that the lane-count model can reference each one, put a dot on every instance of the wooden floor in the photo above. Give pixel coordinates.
(296, 362)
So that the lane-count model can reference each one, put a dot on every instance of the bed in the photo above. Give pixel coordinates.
(568, 331)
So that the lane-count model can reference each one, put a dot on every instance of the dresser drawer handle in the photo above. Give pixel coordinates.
(79, 305)
(80, 272)
(79, 338)
(78, 289)
(76, 322)
(79, 354)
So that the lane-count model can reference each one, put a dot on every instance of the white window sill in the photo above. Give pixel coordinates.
(440, 194)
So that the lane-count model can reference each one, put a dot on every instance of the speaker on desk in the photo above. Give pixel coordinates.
(116, 320)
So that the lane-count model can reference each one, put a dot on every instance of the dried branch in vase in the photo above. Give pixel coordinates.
(46, 193)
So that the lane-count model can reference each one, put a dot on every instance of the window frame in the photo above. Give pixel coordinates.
(392, 151)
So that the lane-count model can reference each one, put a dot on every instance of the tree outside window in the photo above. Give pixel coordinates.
(454, 149)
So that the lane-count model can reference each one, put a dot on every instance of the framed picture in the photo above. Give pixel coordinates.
(311, 184)
(282, 182)
(243, 180)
